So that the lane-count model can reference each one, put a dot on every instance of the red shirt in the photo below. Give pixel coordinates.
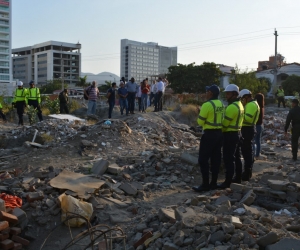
(145, 89)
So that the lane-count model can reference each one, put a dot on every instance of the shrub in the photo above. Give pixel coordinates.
(192, 101)
(52, 106)
(31, 111)
(73, 105)
(190, 112)
(46, 137)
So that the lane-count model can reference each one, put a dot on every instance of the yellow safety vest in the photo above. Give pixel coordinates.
(20, 95)
(234, 116)
(251, 115)
(280, 92)
(211, 115)
(34, 94)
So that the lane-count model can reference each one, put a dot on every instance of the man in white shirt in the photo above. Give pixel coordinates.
(152, 93)
(160, 92)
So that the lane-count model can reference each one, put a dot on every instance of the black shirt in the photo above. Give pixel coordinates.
(294, 116)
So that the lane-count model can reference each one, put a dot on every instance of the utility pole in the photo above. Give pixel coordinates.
(275, 62)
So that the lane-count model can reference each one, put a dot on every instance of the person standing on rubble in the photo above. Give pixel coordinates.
(210, 118)
(111, 96)
(294, 117)
(231, 127)
(63, 102)
(132, 89)
(160, 86)
(280, 96)
(259, 124)
(34, 99)
(251, 116)
(20, 101)
(122, 92)
(93, 93)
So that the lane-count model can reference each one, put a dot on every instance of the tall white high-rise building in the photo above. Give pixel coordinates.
(142, 60)
(5, 44)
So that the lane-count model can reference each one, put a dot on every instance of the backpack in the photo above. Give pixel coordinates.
(84, 95)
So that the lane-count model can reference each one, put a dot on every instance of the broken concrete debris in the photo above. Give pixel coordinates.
(121, 176)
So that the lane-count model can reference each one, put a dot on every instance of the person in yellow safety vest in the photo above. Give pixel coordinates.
(210, 118)
(251, 116)
(231, 127)
(2, 114)
(34, 99)
(280, 96)
(20, 101)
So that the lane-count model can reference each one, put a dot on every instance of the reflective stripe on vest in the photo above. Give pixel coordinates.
(251, 116)
(215, 117)
(238, 118)
(33, 97)
(19, 91)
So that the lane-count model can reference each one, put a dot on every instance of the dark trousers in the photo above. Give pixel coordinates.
(210, 149)
(155, 102)
(36, 105)
(20, 111)
(140, 103)
(64, 108)
(159, 101)
(281, 100)
(295, 138)
(123, 104)
(151, 98)
(2, 115)
(248, 133)
(110, 108)
(131, 99)
(231, 154)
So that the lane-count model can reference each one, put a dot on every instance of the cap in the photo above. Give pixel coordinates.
(245, 92)
(232, 87)
(214, 89)
(19, 83)
(31, 82)
(295, 101)
(121, 82)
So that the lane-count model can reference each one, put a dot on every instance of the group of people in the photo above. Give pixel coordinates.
(232, 129)
(24, 97)
(129, 91)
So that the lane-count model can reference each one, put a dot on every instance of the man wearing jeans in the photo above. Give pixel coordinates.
(92, 92)
(132, 89)
(122, 92)
(160, 92)
(111, 96)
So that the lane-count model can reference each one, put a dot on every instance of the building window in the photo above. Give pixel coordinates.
(42, 55)
(4, 77)
(4, 64)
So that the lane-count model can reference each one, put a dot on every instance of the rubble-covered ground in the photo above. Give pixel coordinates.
(137, 174)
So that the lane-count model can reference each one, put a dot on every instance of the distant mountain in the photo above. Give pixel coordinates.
(101, 77)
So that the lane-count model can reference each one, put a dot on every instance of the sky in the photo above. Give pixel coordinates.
(225, 32)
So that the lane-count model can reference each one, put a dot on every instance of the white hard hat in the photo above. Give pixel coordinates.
(231, 87)
(245, 92)
(20, 83)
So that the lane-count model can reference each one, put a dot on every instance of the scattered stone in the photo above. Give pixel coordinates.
(128, 188)
(100, 167)
(249, 198)
(286, 244)
(166, 214)
(267, 239)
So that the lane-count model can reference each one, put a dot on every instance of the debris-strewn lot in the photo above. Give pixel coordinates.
(127, 184)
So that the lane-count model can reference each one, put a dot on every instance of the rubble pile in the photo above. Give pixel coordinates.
(137, 173)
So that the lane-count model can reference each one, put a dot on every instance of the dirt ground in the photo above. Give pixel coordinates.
(70, 155)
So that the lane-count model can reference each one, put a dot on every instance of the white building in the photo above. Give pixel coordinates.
(142, 60)
(47, 61)
(5, 47)
(227, 70)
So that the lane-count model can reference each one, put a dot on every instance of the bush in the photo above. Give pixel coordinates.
(190, 112)
(52, 106)
(73, 105)
(192, 101)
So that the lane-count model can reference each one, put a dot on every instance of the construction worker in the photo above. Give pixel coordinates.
(251, 115)
(231, 127)
(2, 114)
(294, 117)
(280, 96)
(34, 99)
(20, 101)
(210, 118)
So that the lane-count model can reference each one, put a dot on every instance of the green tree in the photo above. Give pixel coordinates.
(105, 87)
(52, 85)
(248, 80)
(193, 78)
(82, 82)
(291, 85)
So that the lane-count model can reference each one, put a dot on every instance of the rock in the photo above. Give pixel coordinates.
(87, 143)
(249, 198)
(100, 167)
(277, 194)
(184, 212)
(114, 168)
(140, 227)
(278, 185)
(266, 177)
(236, 222)
(293, 228)
(222, 199)
(188, 241)
(197, 199)
(267, 239)
(166, 160)
(128, 188)
(189, 158)
(166, 214)
(286, 244)
(179, 238)
(252, 210)
(217, 236)
(248, 239)
(228, 228)
(169, 246)
(239, 187)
